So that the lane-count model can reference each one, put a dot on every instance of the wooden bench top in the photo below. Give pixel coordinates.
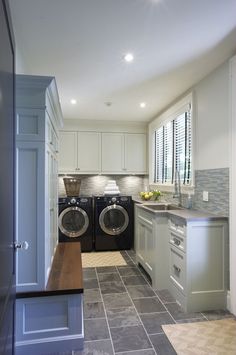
(66, 276)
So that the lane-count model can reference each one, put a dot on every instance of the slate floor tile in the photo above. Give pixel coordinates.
(129, 271)
(106, 269)
(99, 347)
(178, 314)
(162, 345)
(92, 295)
(148, 305)
(139, 352)
(165, 296)
(89, 273)
(117, 300)
(122, 317)
(129, 338)
(140, 291)
(94, 310)
(134, 280)
(109, 277)
(217, 315)
(112, 287)
(95, 329)
(153, 321)
(90, 283)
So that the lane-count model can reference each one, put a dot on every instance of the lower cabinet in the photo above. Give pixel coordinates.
(49, 324)
(198, 264)
(151, 245)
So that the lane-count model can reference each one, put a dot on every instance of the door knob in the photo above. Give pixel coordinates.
(21, 245)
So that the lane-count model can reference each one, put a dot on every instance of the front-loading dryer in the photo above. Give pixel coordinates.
(113, 225)
(75, 221)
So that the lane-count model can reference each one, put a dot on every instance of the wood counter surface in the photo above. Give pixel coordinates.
(66, 276)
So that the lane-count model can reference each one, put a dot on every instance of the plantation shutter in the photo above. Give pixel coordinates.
(173, 149)
(159, 155)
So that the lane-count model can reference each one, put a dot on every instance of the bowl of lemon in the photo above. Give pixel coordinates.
(148, 195)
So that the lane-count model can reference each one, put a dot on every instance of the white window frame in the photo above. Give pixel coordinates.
(167, 116)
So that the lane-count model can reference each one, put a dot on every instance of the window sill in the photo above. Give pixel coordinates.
(171, 188)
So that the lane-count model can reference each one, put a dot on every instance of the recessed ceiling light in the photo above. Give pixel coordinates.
(73, 101)
(142, 104)
(128, 57)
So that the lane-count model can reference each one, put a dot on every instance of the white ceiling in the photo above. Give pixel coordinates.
(82, 42)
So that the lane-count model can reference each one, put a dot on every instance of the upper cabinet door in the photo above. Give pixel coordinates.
(135, 153)
(113, 153)
(68, 152)
(89, 152)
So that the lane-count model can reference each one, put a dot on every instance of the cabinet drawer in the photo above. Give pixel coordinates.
(176, 226)
(177, 240)
(177, 268)
(144, 215)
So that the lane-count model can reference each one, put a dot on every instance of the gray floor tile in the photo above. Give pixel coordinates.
(129, 338)
(122, 317)
(153, 321)
(129, 271)
(99, 347)
(148, 305)
(139, 352)
(112, 287)
(216, 315)
(105, 269)
(140, 291)
(95, 329)
(165, 296)
(89, 273)
(94, 310)
(178, 314)
(109, 277)
(92, 295)
(162, 345)
(117, 300)
(90, 283)
(134, 280)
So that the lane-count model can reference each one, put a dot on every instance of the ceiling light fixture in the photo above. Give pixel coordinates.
(142, 104)
(73, 101)
(128, 57)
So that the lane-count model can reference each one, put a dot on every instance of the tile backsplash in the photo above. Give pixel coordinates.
(95, 184)
(216, 182)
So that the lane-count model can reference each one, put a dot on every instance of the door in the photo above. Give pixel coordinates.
(113, 220)
(7, 205)
(113, 153)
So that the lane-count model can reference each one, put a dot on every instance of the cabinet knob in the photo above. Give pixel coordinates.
(176, 241)
(21, 245)
(176, 268)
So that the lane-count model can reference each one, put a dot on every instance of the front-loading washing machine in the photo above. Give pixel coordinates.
(75, 221)
(113, 225)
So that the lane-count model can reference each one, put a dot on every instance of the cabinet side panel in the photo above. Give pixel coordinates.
(206, 254)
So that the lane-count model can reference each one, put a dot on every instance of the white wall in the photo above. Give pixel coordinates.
(211, 108)
(104, 126)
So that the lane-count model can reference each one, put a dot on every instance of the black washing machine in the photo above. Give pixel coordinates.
(75, 221)
(113, 225)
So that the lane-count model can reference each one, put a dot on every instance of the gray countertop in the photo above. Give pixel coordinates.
(187, 215)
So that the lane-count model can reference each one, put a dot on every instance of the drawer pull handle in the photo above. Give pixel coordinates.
(176, 241)
(177, 268)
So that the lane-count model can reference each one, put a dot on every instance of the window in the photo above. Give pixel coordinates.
(173, 149)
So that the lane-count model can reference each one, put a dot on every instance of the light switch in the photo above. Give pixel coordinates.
(205, 196)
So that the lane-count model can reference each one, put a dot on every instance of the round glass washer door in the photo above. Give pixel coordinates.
(73, 222)
(113, 220)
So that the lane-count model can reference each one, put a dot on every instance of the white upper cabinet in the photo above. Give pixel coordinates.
(113, 153)
(89, 152)
(135, 153)
(102, 152)
(67, 152)
(80, 152)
